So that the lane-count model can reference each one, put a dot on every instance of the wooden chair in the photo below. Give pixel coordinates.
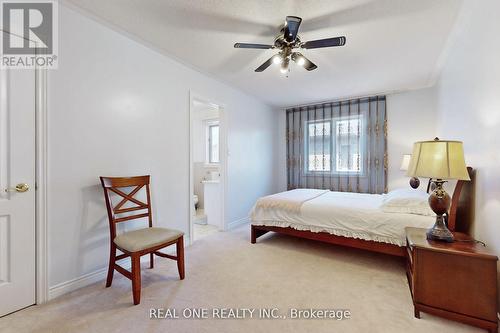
(136, 243)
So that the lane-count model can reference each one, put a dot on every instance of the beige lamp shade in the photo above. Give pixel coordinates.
(438, 159)
(405, 163)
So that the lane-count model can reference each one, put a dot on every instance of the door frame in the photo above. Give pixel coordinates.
(41, 175)
(223, 157)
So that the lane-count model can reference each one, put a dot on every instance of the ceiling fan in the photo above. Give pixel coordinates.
(287, 42)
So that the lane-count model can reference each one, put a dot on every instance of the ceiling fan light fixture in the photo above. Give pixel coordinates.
(284, 66)
(287, 42)
(299, 59)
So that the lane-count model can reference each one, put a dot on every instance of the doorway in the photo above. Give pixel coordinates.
(207, 168)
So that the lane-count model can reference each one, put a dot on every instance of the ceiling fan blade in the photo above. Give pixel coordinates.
(292, 28)
(252, 46)
(308, 64)
(266, 64)
(303, 61)
(328, 42)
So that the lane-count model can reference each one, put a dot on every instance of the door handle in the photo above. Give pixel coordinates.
(21, 188)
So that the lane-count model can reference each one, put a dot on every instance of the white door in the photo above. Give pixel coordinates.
(17, 206)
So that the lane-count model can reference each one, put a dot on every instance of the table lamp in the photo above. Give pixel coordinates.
(439, 160)
(405, 163)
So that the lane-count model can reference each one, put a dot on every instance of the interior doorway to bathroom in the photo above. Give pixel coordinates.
(207, 167)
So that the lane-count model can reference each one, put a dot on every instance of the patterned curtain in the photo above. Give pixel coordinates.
(341, 146)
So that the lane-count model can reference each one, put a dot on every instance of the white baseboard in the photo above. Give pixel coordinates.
(71, 285)
(237, 223)
(86, 279)
(96, 276)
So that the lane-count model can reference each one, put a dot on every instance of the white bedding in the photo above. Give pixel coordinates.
(354, 215)
(290, 201)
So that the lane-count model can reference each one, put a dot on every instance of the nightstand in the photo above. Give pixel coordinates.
(457, 281)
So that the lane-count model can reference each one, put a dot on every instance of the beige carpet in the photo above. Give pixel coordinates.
(203, 230)
(225, 270)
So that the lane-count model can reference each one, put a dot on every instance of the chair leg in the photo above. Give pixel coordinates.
(136, 278)
(180, 256)
(151, 260)
(111, 267)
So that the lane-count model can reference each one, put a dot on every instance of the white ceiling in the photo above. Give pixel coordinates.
(392, 45)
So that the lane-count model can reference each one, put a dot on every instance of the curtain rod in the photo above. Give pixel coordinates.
(340, 100)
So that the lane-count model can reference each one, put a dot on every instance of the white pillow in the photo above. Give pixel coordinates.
(407, 201)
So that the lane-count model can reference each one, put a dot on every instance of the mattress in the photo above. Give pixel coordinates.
(355, 215)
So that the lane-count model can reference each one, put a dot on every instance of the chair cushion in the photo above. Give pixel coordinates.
(141, 239)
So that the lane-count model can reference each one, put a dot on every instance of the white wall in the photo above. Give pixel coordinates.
(118, 108)
(468, 101)
(411, 116)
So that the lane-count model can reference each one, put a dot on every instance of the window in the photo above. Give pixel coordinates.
(213, 143)
(347, 145)
(335, 145)
(318, 145)
(340, 146)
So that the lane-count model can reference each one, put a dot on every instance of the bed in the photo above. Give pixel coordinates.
(351, 219)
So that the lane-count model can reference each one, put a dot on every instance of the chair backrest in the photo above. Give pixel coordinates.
(116, 185)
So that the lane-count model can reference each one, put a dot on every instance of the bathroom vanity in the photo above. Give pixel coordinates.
(212, 196)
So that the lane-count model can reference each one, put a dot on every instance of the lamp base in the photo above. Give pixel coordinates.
(439, 232)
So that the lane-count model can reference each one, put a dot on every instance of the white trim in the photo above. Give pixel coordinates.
(191, 209)
(224, 156)
(237, 223)
(41, 155)
(223, 130)
(74, 284)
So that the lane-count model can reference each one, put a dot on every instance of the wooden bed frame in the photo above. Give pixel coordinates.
(459, 219)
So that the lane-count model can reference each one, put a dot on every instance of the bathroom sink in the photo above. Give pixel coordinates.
(211, 181)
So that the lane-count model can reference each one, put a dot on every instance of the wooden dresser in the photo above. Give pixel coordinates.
(457, 281)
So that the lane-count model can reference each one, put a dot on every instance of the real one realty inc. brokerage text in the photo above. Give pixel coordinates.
(248, 313)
